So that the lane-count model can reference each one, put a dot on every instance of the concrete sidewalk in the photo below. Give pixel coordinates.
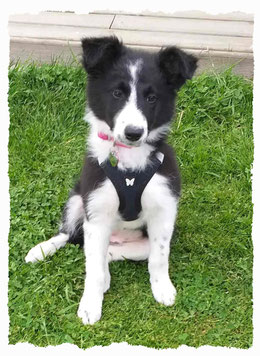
(219, 41)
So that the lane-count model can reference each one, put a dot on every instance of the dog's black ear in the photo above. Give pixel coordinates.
(99, 52)
(176, 65)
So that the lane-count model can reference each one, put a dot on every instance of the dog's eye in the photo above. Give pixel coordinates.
(151, 98)
(117, 94)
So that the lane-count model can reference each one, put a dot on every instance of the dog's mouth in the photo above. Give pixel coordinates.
(123, 141)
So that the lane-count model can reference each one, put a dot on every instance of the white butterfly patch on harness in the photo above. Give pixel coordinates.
(129, 181)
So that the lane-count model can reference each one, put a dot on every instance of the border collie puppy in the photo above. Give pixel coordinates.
(125, 203)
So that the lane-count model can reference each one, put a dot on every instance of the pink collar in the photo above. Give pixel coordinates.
(105, 137)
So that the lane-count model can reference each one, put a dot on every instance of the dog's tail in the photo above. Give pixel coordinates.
(73, 217)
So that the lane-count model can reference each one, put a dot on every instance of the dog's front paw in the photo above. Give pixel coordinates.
(164, 292)
(89, 312)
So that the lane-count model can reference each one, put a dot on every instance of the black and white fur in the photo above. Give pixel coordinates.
(136, 89)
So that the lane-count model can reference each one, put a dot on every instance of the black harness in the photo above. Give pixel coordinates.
(130, 185)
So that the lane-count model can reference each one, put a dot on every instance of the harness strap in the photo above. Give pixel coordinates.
(130, 185)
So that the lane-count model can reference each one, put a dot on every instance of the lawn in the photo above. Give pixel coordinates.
(211, 252)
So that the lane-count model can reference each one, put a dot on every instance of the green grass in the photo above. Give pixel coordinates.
(211, 255)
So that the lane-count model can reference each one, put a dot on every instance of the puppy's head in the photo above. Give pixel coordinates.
(132, 91)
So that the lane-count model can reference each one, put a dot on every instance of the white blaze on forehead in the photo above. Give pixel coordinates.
(130, 114)
(134, 69)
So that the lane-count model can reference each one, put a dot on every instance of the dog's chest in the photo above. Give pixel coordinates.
(129, 185)
(105, 202)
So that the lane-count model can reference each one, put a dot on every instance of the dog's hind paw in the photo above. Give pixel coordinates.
(46, 248)
(35, 254)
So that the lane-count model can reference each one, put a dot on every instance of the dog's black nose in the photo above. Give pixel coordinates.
(133, 133)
